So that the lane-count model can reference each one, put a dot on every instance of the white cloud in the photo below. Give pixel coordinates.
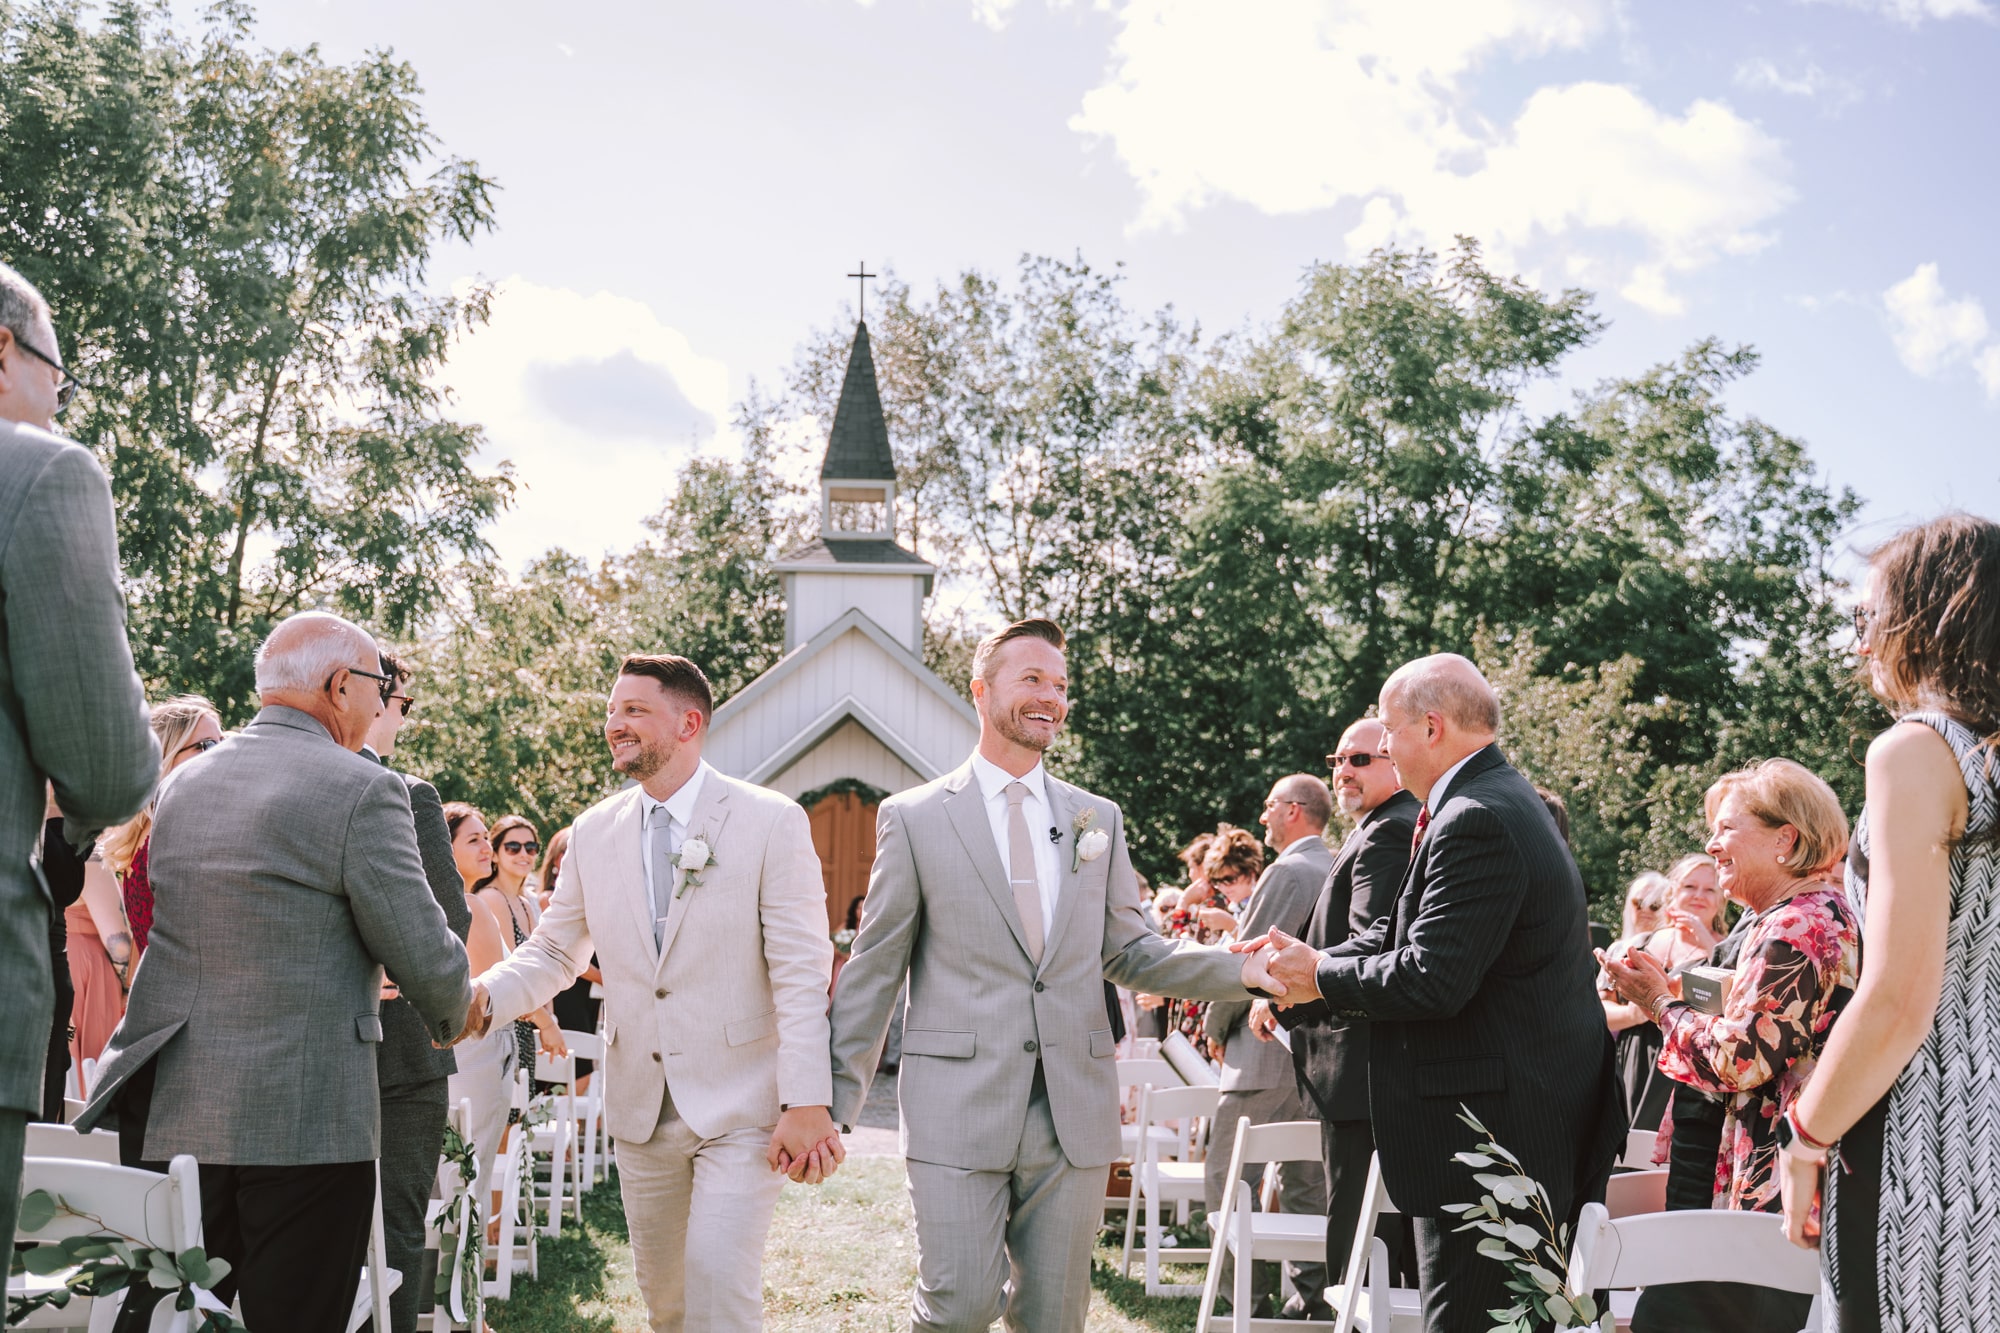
(1934, 331)
(595, 401)
(1914, 12)
(1298, 105)
(1763, 75)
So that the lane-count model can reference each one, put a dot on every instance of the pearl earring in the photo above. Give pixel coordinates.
(1781, 858)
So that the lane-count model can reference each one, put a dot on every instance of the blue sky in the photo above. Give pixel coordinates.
(684, 186)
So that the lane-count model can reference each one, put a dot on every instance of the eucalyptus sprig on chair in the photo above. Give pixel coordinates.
(109, 1261)
(1515, 1215)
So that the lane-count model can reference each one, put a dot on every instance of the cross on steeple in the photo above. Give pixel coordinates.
(864, 275)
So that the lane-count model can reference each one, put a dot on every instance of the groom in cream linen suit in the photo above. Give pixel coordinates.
(703, 899)
(1007, 899)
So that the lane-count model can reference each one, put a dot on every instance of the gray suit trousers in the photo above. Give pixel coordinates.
(1301, 1185)
(1011, 1244)
(13, 1145)
(413, 1116)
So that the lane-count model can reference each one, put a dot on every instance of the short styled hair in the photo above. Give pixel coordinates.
(1780, 792)
(677, 676)
(1314, 800)
(1033, 628)
(305, 650)
(21, 306)
(1449, 685)
(394, 668)
(1234, 852)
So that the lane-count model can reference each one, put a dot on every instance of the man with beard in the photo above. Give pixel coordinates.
(703, 900)
(1007, 899)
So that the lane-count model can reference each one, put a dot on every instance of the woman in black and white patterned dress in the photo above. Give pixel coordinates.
(1906, 1091)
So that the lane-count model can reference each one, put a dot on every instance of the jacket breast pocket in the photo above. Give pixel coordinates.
(368, 1027)
(746, 1030)
(937, 1042)
(1462, 1077)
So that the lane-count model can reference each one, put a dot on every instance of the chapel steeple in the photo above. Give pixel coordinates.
(858, 479)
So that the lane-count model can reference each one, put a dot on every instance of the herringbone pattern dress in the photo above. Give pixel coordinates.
(1937, 1253)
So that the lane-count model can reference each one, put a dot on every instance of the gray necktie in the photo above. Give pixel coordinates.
(1021, 871)
(663, 873)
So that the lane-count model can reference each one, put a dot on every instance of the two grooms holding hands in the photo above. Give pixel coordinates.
(1007, 898)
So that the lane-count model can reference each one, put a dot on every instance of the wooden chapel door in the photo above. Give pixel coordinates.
(843, 831)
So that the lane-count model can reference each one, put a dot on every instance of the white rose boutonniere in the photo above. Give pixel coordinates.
(1091, 841)
(693, 858)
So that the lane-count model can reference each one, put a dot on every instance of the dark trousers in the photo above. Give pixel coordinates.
(295, 1238)
(413, 1116)
(1459, 1284)
(1851, 1218)
(13, 1144)
(1347, 1147)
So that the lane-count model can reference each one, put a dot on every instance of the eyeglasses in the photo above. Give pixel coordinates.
(1279, 800)
(388, 686)
(404, 701)
(1864, 619)
(1352, 760)
(516, 848)
(67, 386)
(199, 747)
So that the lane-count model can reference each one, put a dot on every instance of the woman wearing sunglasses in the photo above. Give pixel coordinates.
(516, 850)
(185, 727)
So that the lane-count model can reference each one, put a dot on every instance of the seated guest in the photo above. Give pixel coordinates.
(286, 876)
(185, 727)
(1776, 830)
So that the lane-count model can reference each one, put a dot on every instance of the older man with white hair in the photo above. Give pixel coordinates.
(1480, 988)
(286, 877)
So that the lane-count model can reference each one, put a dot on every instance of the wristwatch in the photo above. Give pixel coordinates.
(1794, 1140)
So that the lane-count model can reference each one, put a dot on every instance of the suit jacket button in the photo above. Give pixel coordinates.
(660, 994)
(1039, 988)
(656, 1057)
(1028, 1046)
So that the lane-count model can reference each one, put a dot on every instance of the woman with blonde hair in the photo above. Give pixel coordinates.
(185, 726)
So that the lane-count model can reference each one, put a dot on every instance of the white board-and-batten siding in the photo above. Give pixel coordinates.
(850, 752)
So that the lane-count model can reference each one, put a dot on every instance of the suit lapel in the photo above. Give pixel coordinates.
(711, 810)
(1064, 806)
(628, 829)
(966, 805)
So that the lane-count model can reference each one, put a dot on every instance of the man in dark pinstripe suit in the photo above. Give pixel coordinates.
(1478, 986)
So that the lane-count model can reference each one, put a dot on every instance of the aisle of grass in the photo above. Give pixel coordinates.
(841, 1259)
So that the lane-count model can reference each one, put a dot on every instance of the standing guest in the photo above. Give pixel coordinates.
(485, 1074)
(1230, 865)
(1478, 986)
(1257, 1077)
(505, 893)
(707, 906)
(1690, 908)
(412, 1071)
(1009, 1087)
(185, 727)
(1905, 1087)
(99, 955)
(286, 876)
(1776, 830)
(71, 708)
(1330, 1053)
(1174, 923)
(576, 1009)
(1645, 905)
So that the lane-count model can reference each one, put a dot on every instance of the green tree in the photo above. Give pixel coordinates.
(236, 243)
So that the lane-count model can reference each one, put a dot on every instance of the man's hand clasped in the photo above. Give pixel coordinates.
(478, 1017)
(1285, 967)
(806, 1145)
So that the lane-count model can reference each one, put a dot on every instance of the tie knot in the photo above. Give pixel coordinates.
(1017, 792)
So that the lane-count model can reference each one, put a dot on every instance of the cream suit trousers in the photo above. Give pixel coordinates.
(698, 1211)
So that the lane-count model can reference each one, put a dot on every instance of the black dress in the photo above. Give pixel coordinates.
(576, 1011)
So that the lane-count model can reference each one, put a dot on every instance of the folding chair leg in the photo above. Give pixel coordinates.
(1213, 1283)
(1131, 1216)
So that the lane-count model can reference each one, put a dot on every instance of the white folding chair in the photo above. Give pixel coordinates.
(454, 1307)
(1364, 1300)
(1691, 1245)
(1133, 1076)
(1157, 1180)
(1249, 1236)
(589, 1108)
(86, 1080)
(557, 1137)
(1633, 1192)
(163, 1211)
(515, 1249)
(64, 1142)
(378, 1280)
(1638, 1154)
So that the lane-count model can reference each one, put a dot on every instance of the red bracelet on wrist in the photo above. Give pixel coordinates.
(1799, 1132)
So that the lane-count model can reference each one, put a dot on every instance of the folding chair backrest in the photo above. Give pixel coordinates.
(1365, 1269)
(1638, 1154)
(63, 1141)
(1164, 1104)
(1631, 1193)
(584, 1045)
(1691, 1245)
(1143, 1073)
(163, 1211)
(1282, 1141)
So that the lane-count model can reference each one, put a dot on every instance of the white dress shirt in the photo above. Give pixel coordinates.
(1040, 814)
(1443, 784)
(679, 808)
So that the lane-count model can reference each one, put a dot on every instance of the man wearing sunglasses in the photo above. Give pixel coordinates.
(287, 876)
(72, 711)
(1329, 1054)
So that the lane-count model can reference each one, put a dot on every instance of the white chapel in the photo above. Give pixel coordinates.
(850, 713)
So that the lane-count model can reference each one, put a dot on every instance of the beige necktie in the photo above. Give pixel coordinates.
(1021, 868)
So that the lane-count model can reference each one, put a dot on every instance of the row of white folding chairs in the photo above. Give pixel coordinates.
(161, 1210)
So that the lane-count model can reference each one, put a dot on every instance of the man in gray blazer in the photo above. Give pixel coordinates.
(286, 876)
(1007, 899)
(1257, 1079)
(411, 1069)
(72, 711)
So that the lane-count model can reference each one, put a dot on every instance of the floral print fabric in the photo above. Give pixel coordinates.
(1185, 1016)
(1798, 968)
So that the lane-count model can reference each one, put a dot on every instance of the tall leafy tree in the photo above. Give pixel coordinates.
(236, 243)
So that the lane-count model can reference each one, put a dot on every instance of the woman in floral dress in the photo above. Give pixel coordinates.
(1778, 831)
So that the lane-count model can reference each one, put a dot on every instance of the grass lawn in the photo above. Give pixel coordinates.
(841, 1257)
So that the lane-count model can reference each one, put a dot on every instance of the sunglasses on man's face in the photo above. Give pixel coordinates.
(404, 702)
(516, 848)
(1356, 760)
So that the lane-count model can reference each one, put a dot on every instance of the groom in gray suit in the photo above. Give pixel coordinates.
(1007, 899)
(71, 708)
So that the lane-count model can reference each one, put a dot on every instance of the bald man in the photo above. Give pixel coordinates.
(1479, 988)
